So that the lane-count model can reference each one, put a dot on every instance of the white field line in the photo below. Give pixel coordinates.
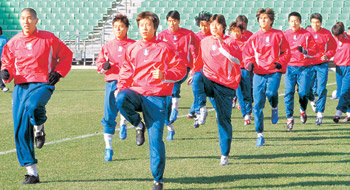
(94, 134)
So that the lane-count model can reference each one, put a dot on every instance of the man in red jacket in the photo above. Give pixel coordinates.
(146, 81)
(186, 44)
(267, 54)
(108, 63)
(299, 71)
(36, 60)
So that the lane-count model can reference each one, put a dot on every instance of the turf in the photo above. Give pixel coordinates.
(309, 157)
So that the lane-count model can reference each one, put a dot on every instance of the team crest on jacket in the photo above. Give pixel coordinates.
(267, 39)
(316, 36)
(175, 37)
(120, 48)
(213, 47)
(295, 37)
(29, 46)
(145, 52)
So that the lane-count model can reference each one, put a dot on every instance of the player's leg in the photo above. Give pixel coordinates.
(322, 78)
(304, 89)
(246, 89)
(199, 81)
(290, 79)
(272, 85)
(339, 79)
(259, 95)
(344, 100)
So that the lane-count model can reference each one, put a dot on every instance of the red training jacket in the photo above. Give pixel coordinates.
(342, 53)
(246, 35)
(114, 51)
(201, 36)
(31, 58)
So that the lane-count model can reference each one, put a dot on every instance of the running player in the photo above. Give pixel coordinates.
(108, 63)
(266, 53)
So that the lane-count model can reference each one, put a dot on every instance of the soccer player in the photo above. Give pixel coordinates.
(243, 20)
(302, 47)
(3, 41)
(244, 91)
(342, 62)
(36, 60)
(186, 44)
(108, 63)
(266, 53)
(216, 74)
(326, 49)
(146, 81)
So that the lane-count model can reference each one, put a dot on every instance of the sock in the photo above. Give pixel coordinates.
(301, 111)
(108, 140)
(290, 118)
(348, 114)
(174, 103)
(170, 127)
(276, 108)
(247, 117)
(139, 126)
(32, 170)
(123, 121)
(38, 128)
(320, 114)
(260, 135)
(338, 113)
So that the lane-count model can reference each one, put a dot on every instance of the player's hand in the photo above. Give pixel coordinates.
(157, 74)
(54, 77)
(302, 50)
(324, 58)
(106, 65)
(5, 74)
(278, 66)
(251, 67)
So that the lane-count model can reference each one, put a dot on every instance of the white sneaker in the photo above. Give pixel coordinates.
(202, 115)
(223, 161)
(313, 106)
(5, 89)
(247, 119)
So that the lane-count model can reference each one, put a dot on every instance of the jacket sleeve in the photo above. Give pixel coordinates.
(100, 60)
(198, 63)
(234, 56)
(195, 44)
(175, 70)
(248, 53)
(331, 46)
(8, 62)
(284, 52)
(125, 74)
(64, 56)
(312, 47)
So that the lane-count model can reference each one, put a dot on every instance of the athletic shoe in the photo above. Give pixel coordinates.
(303, 117)
(196, 124)
(30, 179)
(123, 132)
(223, 161)
(260, 141)
(39, 137)
(313, 106)
(336, 119)
(290, 124)
(318, 121)
(191, 116)
(347, 119)
(239, 107)
(157, 185)
(234, 102)
(140, 135)
(247, 120)
(108, 154)
(202, 115)
(170, 136)
(5, 89)
(274, 116)
(173, 115)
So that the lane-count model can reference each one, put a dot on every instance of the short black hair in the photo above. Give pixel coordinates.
(32, 12)
(220, 19)
(173, 14)
(338, 29)
(236, 25)
(317, 16)
(122, 18)
(242, 18)
(268, 11)
(294, 14)
(202, 16)
(349, 28)
(0, 31)
(150, 16)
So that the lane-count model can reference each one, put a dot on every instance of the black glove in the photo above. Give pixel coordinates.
(251, 67)
(302, 50)
(5, 74)
(106, 66)
(278, 66)
(54, 77)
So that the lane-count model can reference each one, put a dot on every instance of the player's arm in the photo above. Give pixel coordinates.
(64, 56)
(176, 70)
(285, 52)
(7, 64)
(331, 47)
(102, 62)
(248, 55)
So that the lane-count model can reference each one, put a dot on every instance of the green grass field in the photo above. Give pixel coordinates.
(309, 157)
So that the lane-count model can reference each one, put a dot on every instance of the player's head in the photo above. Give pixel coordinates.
(265, 17)
(28, 20)
(242, 20)
(120, 26)
(316, 21)
(148, 23)
(338, 29)
(0, 31)
(294, 19)
(236, 30)
(202, 20)
(173, 19)
(217, 24)
(349, 30)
